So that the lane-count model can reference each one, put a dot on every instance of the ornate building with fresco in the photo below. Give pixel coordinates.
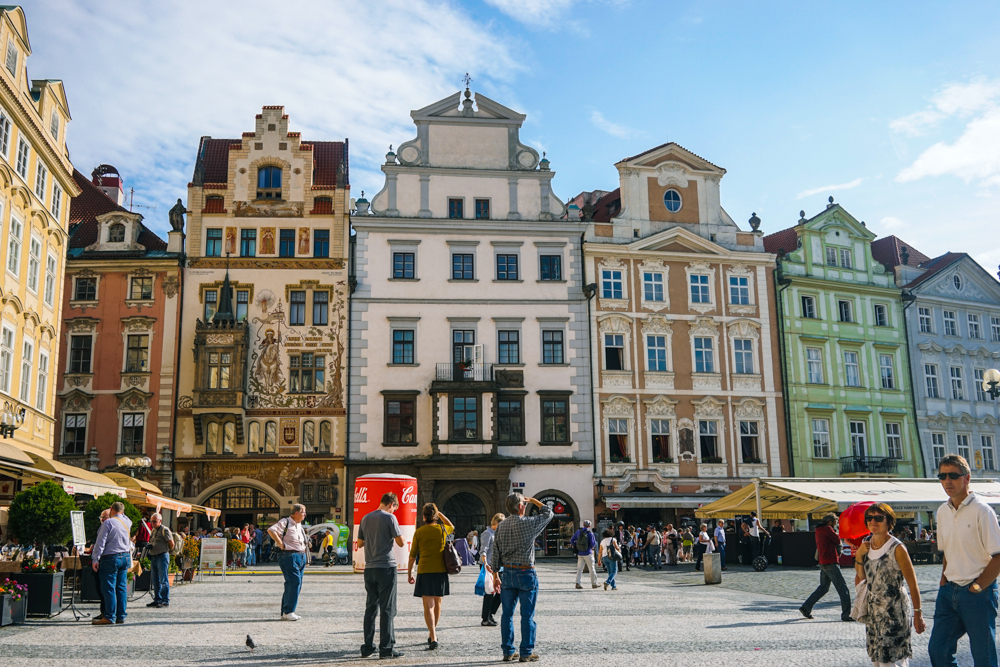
(118, 357)
(685, 356)
(261, 410)
(469, 366)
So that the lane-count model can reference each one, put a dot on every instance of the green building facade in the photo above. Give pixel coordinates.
(845, 360)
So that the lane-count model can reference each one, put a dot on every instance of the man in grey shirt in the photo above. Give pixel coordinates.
(377, 533)
(112, 556)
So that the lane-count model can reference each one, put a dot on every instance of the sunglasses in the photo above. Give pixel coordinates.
(949, 475)
(877, 518)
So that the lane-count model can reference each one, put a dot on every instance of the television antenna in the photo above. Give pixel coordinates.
(132, 204)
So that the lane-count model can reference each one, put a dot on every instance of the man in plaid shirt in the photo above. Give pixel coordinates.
(514, 550)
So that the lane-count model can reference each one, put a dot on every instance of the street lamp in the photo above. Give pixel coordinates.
(137, 465)
(10, 419)
(991, 383)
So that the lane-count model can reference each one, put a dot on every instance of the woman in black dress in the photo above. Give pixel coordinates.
(431, 583)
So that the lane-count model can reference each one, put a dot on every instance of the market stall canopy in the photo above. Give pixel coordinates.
(146, 494)
(87, 481)
(212, 514)
(12, 454)
(779, 498)
(644, 500)
(127, 482)
(65, 476)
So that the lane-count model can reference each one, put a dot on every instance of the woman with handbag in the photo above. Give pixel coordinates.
(702, 546)
(431, 583)
(611, 555)
(491, 597)
(883, 563)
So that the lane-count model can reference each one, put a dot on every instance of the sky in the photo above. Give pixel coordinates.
(893, 108)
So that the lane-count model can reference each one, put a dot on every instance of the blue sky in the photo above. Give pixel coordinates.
(893, 108)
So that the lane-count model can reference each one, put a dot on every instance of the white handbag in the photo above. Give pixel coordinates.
(859, 610)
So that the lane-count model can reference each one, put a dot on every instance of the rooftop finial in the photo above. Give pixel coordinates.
(831, 201)
(467, 102)
(467, 80)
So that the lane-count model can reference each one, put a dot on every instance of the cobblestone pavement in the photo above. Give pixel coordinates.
(655, 618)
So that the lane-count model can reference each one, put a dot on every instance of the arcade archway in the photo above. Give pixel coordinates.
(242, 504)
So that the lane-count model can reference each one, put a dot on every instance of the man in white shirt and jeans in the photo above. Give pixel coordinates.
(969, 536)
(290, 538)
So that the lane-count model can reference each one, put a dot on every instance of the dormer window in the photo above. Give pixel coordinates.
(269, 183)
(11, 61)
(116, 233)
(54, 125)
(672, 200)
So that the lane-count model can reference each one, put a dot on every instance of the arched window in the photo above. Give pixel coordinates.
(212, 441)
(270, 437)
(269, 183)
(116, 233)
(325, 435)
(253, 438)
(308, 436)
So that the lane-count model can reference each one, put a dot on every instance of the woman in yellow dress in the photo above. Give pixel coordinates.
(432, 577)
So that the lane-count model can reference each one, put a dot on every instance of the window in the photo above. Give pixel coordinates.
(939, 450)
(652, 286)
(242, 304)
(116, 234)
(977, 374)
(704, 357)
(11, 60)
(270, 437)
(831, 256)
(462, 267)
(957, 281)
(23, 153)
(464, 417)
(975, 331)
(672, 200)
(79, 353)
(509, 347)
(75, 438)
(957, 390)
(749, 441)
(555, 417)
(269, 183)
(809, 307)
(618, 440)
(85, 289)
(845, 310)
(659, 430)
(886, 371)
(931, 380)
(402, 346)
(399, 422)
(27, 356)
(41, 176)
(137, 356)
(14, 245)
(708, 436)
(321, 307)
(551, 267)
(54, 125)
(142, 289)
(846, 259)
(814, 364)
(821, 438)
(402, 265)
(43, 381)
(612, 285)
(213, 243)
(614, 352)
(656, 353)
(133, 425)
(482, 209)
(739, 290)
(34, 262)
(4, 133)
(325, 436)
(552, 347)
(297, 308)
(456, 208)
(744, 355)
(462, 346)
(219, 365)
(699, 289)
(852, 369)
(859, 442)
(989, 462)
(893, 440)
(962, 440)
(321, 243)
(506, 267)
(306, 374)
(510, 420)
(926, 317)
(308, 435)
(50, 279)
(211, 304)
(286, 243)
(228, 437)
(248, 243)
(881, 317)
(995, 326)
(950, 323)
(253, 438)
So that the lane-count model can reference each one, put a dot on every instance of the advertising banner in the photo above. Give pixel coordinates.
(368, 491)
(213, 556)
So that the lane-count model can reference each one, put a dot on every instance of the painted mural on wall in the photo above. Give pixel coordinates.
(283, 477)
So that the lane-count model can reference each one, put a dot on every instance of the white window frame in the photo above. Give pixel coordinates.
(846, 258)
(23, 158)
(821, 438)
(5, 126)
(43, 380)
(812, 303)
(858, 429)
(51, 266)
(11, 58)
(7, 337)
(850, 311)
(989, 453)
(700, 269)
(54, 125)
(814, 363)
(995, 328)
(14, 246)
(56, 204)
(41, 180)
(881, 308)
(650, 281)
(931, 385)
(894, 440)
(951, 330)
(938, 448)
(720, 446)
(34, 262)
(27, 361)
(850, 363)
(711, 354)
(831, 257)
(751, 352)
(742, 292)
(887, 371)
(665, 349)
(977, 379)
(975, 326)
(755, 424)
(957, 383)
(963, 446)
(609, 278)
(604, 344)
(925, 318)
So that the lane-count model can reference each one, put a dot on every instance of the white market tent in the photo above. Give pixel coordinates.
(797, 498)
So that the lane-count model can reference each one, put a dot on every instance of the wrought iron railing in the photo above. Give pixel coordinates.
(465, 372)
(878, 465)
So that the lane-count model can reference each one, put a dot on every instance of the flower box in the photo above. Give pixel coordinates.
(45, 591)
(144, 581)
(13, 612)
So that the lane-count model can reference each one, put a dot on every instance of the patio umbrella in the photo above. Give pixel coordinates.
(852, 522)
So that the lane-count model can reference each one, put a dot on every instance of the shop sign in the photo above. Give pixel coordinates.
(614, 507)
(213, 556)
(235, 469)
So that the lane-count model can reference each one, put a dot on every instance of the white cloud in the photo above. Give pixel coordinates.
(966, 98)
(917, 123)
(145, 81)
(892, 224)
(539, 13)
(830, 188)
(975, 156)
(615, 130)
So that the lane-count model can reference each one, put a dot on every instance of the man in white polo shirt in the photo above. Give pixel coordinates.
(969, 536)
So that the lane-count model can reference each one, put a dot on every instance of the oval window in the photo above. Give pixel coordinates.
(957, 279)
(672, 200)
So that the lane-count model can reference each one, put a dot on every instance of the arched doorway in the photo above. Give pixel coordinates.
(467, 512)
(242, 504)
(557, 538)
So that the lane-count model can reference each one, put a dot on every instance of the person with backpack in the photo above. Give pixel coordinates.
(161, 542)
(584, 543)
(611, 555)
(291, 540)
(141, 538)
(622, 536)
(653, 548)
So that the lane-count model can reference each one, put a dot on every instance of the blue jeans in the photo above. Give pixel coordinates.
(721, 549)
(160, 564)
(831, 574)
(959, 611)
(518, 586)
(292, 565)
(113, 575)
(612, 567)
(250, 555)
(653, 555)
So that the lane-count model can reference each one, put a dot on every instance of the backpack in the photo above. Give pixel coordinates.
(582, 541)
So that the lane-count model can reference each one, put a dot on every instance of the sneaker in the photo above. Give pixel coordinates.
(605, 585)
(120, 621)
(391, 654)
(579, 586)
(529, 658)
(510, 658)
(366, 650)
(492, 623)
(802, 610)
(154, 604)
(595, 586)
(485, 623)
(290, 617)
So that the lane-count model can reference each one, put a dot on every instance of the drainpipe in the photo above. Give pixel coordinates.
(352, 282)
(589, 290)
(908, 299)
(779, 279)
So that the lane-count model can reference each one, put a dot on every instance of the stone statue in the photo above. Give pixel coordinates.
(177, 216)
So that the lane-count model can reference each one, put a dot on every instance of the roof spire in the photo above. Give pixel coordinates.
(467, 102)
(225, 311)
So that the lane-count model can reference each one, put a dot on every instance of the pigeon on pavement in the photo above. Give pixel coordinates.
(251, 643)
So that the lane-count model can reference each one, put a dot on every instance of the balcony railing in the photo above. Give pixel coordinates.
(877, 465)
(467, 372)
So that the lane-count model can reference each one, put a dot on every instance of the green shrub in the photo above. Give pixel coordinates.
(40, 514)
(92, 513)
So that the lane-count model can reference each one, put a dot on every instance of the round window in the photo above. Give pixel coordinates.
(957, 279)
(672, 200)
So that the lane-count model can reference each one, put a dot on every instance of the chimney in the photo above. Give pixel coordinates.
(110, 182)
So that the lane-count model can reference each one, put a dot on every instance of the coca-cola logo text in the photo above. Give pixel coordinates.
(409, 496)
(360, 496)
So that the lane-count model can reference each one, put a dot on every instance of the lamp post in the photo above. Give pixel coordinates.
(11, 419)
(139, 465)
(991, 383)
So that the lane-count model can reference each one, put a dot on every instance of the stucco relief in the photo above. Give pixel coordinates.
(618, 406)
(170, 286)
(703, 326)
(661, 406)
(82, 324)
(744, 329)
(746, 382)
(616, 324)
(267, 208)
(657, 325)
(672, 173)
(658, 380)
(616, 379)
(748, 408)
(708, 407)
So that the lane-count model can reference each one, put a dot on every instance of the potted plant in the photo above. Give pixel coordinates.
(144, 580)
(13, 602)
(234, 547)
(190, 554)
(711, 459)
(40, 515)
(172, 571)
(621, 459)
(663, 459)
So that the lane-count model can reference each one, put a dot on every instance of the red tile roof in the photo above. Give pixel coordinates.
(322, 206)
(889, 251)
(213, 160)
(214, 204)
(327, 155)
(936, 266)
(782, 242)
(91, 203)
(608, 206)
(669, 143)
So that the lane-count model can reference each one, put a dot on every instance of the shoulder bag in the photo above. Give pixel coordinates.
(452, 561)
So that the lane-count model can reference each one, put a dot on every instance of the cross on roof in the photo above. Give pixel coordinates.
(467, 79)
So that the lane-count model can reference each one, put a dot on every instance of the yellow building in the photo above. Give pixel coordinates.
(36, 185)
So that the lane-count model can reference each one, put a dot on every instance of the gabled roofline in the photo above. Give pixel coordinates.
(694, 156)
(927, 277)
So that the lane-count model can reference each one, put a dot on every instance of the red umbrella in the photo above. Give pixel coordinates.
(852, 522)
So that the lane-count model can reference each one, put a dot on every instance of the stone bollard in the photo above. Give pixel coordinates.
(713, 568)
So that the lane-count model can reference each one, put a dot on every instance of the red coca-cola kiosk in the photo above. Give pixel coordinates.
(368, 491)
